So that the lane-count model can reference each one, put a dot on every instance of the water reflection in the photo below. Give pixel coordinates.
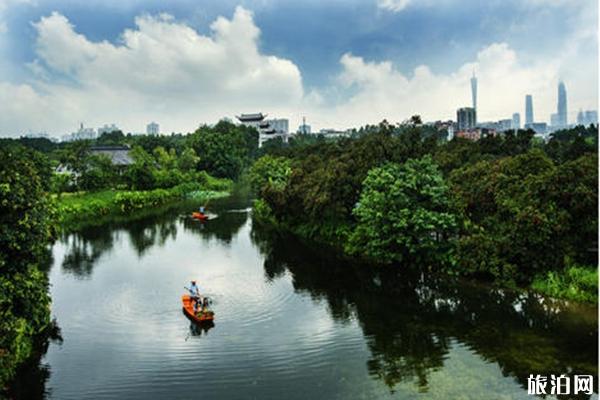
(145, 231)
(31, 378)
(200, 328)
(372, 331)
(411, 320)
(222, 227)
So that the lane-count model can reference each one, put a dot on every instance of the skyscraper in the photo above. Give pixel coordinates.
(474, 91)
(562, 105)
(528, 110)
(465, 118)
(516, 121)
(152, 128)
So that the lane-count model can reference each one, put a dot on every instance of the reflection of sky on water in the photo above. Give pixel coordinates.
(288, 322)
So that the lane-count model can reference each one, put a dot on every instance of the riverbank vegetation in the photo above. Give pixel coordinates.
(506, 208)
(574, 283)
(26, 230)
(47, 186)
(79, 208)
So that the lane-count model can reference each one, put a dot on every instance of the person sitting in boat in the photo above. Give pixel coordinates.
(195, 295)
(201, 210)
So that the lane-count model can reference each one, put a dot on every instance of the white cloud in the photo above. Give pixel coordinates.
(393, 5)
(161, 70)
(166, 71)
(382, 91)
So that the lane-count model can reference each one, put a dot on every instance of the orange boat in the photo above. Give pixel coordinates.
(188, 309)
(200, 216)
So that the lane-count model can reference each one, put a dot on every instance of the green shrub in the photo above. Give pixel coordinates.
(74, 209)
(573, 283)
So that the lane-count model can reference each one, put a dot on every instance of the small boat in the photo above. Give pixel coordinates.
(200, 216)
(188, 309)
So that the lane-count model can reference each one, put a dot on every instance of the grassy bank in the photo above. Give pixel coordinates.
(76, 209)
(573, 283)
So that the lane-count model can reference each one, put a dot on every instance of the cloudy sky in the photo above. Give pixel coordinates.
(340, 63)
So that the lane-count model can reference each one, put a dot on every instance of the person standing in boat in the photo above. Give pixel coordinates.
(195, 295)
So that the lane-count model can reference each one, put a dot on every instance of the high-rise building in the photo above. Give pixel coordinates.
(591, 117)
(107, 129)
(562, 106)
(540, 128)
(152, 128)
(587, 118)
(528, 110)
(466, 118)
(304, 129)
(504, 125)
(474, 91)
(580, 118)
(516, 121)
(279, 125)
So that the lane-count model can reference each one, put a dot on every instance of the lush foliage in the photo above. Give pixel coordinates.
(507, 207)
(574, 283)
(526, 214)
(25, 232)
(404, 213)
(159, 161)
(75, 210)
(226, 149)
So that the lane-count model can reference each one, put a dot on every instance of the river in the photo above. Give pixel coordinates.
(292, 321)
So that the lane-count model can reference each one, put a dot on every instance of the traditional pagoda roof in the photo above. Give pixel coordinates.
(251, 117)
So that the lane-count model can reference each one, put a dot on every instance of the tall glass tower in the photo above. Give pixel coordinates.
(562, 105)
(474, 91)
(528, 110)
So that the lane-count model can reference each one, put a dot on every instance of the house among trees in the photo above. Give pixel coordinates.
(119, 155)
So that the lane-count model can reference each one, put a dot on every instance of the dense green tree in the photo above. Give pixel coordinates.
(25, 231)
(112, 138)
(270, 172)
(224, 150)
(99, 173)
(404, 213)
(141, 174)
(188, 160)
(523, 206)
(524, 214)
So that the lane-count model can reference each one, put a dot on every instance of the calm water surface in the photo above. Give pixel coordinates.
(292, 321)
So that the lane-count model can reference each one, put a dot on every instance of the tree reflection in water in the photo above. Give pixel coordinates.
(411, 320)
(227, 226)
(31, 378)
(145, 230)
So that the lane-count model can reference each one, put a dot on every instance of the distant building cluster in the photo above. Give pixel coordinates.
(469, 127)
(467, 124)
(587, 118)
(107, 129)
(82, 133)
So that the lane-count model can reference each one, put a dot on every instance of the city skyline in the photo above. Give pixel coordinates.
(184, 65)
